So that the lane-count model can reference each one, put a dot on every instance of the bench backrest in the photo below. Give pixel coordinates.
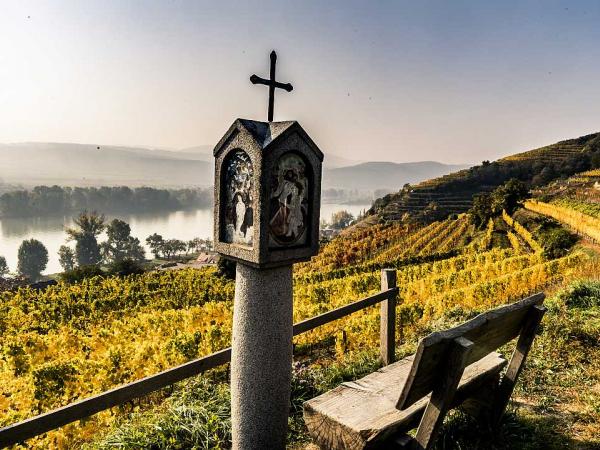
(488, 331)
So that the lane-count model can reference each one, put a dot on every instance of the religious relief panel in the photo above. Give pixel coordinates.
(288, 202)
(238, 219)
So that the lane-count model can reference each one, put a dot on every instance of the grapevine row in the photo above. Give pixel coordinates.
(582, 223)
(522, 231)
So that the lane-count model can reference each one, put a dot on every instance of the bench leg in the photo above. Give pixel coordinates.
(517, 362)
(479, 405)
(441, 397)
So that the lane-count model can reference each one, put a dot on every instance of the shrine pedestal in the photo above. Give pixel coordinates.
(261, 359)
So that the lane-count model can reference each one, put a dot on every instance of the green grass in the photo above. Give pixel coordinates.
(556, 404)
(196, 416)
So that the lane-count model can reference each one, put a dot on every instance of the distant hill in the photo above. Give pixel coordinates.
(453, 193)
(201, 152)
(87, 165)
(40, 163)
(205, 153)
(384, 175)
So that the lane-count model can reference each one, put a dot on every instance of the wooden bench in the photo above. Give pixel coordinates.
(455, 367)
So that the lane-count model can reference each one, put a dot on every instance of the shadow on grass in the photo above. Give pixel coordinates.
(522, 431)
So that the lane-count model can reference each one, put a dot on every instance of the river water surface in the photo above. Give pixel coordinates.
(184, 225)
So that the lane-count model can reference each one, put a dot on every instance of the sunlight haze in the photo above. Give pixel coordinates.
(456, 82)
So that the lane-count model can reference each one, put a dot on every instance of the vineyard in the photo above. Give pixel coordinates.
(587, 208)
(71, 341)
(435, 199)
(584, 224)
(560, 151)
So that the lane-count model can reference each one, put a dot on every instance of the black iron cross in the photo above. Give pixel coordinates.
(272, 84)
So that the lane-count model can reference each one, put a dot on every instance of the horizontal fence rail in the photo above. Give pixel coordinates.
(114, 397)
(343, 311)
(81, 409)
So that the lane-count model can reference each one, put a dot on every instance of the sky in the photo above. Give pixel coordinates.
(451, 81)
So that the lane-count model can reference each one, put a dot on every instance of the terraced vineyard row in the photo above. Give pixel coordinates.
(437, 237)
(419, 241)
(453, 193)
(452, 231)
(594, 173)
(429, 290)
(588, 208)
(356, 246)
(522, 232)
(582, 223)
(420, 199)
(508, 286)
(486, 241)
(515, 242)
(419, 266)
(550, 153)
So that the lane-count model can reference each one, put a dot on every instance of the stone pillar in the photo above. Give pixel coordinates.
(261, 359)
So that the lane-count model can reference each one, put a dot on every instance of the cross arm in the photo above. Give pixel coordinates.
(255, 79)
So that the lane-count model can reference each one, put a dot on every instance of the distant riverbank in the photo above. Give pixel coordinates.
(43, 201)
(183, 224)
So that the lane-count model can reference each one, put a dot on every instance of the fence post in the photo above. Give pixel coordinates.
(387, 324)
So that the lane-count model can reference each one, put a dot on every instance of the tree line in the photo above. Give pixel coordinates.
(120, 252)
(48, 200)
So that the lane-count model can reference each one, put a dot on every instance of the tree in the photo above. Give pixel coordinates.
(79, 274)
(66, 257)
(155, 242)
(341, 219)
(199, 245)
(171, 247)
(89, 227)
(121, 245)
(32, 258)
(194, 245)
(135, 251)
(481, 211)
(508, 196)
(190, 245)
(3, 267)
(126, 267)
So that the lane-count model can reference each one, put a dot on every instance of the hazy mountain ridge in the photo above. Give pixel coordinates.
(86, 164)
(72, 164)
(386, 175)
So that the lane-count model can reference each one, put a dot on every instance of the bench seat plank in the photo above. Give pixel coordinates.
(361, 414)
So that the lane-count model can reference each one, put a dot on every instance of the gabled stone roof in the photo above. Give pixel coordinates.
(265, 133)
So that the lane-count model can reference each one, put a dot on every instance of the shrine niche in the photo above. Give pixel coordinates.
(238, 213)
(289, 201)
(267, 193)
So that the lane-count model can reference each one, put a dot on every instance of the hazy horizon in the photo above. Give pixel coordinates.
(209, 147)
(456, 82)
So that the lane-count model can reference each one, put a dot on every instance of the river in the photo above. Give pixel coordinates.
(184, 225)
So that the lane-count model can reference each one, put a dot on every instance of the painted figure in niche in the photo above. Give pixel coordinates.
(289, 201)
(238, 223)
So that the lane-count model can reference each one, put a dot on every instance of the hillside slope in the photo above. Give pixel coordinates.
(453, 193)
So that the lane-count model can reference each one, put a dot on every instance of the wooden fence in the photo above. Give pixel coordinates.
(81, 409)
